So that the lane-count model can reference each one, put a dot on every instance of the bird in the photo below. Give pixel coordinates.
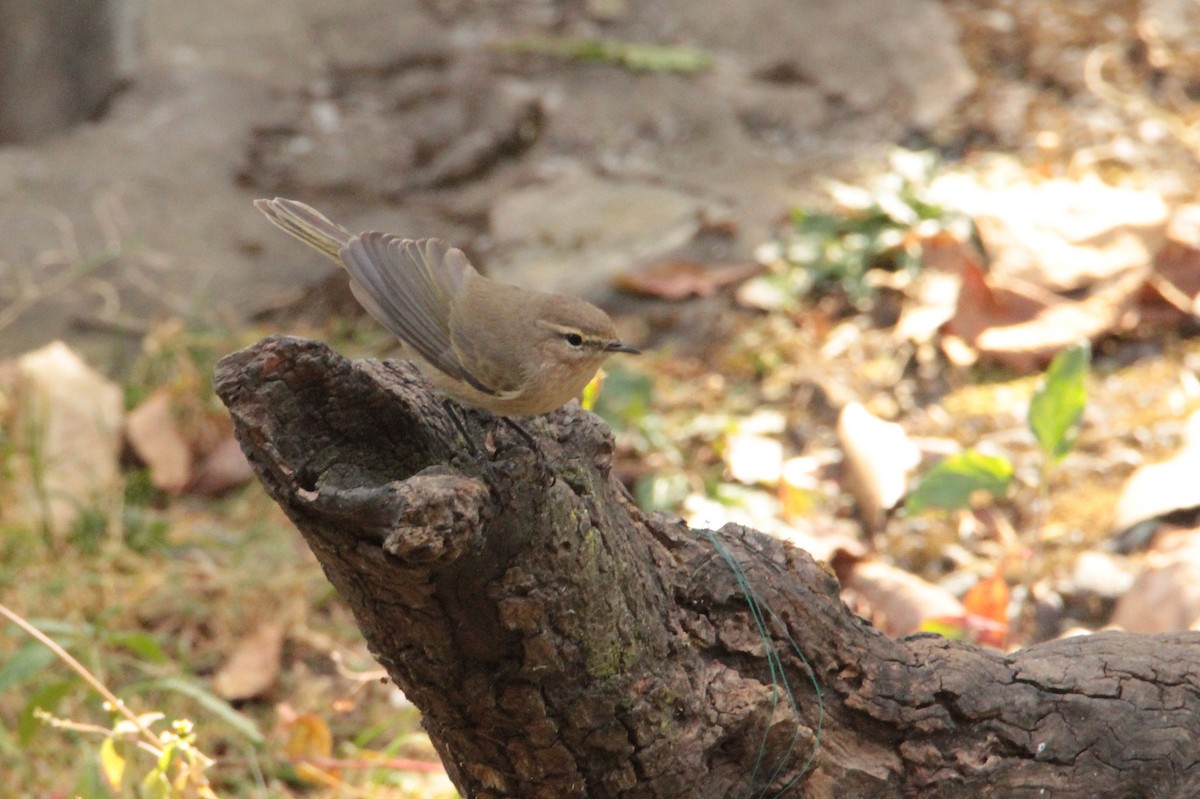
(511, 351)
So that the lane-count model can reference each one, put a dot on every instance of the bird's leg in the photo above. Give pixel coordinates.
(463, 427)
(513, 424)
(461, 424)
(520, 430)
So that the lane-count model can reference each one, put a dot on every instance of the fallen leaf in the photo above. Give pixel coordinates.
(1157, 489)
(309, 741)
(982, 306)
(253, 666)
(223, 468)
(1176, 277)
(897, 602)
(63, 439)
(1033, 343)
(752, 458)
(880, 457)
(675, 280)
(1165, 597)
(1024, 327)
(986, 604)
(1065, 235)
(799, 485)
(933, 295)
(158, 443)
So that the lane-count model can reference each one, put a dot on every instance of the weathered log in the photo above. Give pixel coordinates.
(561, 643)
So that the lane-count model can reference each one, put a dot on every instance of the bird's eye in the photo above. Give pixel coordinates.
(574, 339)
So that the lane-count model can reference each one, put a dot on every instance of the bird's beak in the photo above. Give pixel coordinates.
(618, 346)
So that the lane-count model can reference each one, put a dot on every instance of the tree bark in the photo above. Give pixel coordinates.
(561, 643)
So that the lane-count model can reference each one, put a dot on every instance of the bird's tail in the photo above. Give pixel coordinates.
(307, 224)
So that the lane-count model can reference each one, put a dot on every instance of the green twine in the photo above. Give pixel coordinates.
(778, 677)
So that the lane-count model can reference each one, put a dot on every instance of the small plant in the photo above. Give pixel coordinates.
(178, 767)
(881, 226)
(1055, 411)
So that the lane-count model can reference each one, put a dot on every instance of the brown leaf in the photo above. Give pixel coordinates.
(879, 456)
(157, 441)
(254, 664)
(223, 468)
(1024, 327)
(982, 306)
(899, 602)
(933, 296)
(986, 603)
(1176, 277)
(1065, 236)
(1165, 597)
(309, 746)
(675, 280)
(1157, 489)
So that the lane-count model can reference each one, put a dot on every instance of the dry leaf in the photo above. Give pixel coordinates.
(1157, 489)
(674, 280)
(1032, 344)
(155, 438)
(1065, 235)
(880, 457)
(898, 602)
(308, 743)
(983, 306)
(223, 468)
(1176, 277)
(933, 296)
(986, 604)
(752, 458)
(1165, 597)
(254, 664)
(1024, 327)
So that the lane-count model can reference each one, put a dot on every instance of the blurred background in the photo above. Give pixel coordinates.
(853, 238)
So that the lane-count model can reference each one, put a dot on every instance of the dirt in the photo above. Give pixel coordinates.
(417, 117)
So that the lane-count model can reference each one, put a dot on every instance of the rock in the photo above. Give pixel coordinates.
(66, 434)
(579, 231)
(61, 62)
(901, 55)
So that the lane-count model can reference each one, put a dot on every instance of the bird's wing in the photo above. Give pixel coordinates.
(408, 287)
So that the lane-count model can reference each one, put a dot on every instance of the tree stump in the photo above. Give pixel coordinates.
(561, 643)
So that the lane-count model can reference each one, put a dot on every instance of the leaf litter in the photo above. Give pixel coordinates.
(778, 421)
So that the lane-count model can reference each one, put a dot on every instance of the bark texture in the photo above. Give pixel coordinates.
(561, 643)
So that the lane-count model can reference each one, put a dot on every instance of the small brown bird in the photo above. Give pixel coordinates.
(508, 350)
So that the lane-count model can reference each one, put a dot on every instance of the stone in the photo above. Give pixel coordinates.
(65, 427)
(578, 231)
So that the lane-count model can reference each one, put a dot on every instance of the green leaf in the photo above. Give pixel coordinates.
(212, 703)
(625, 397)
(141, 644)
(636, 56)
(155, 785)
(46, 698)
(950, 484)
(28, 661)
(91, 782)
(1057, 406)
(658, 58)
